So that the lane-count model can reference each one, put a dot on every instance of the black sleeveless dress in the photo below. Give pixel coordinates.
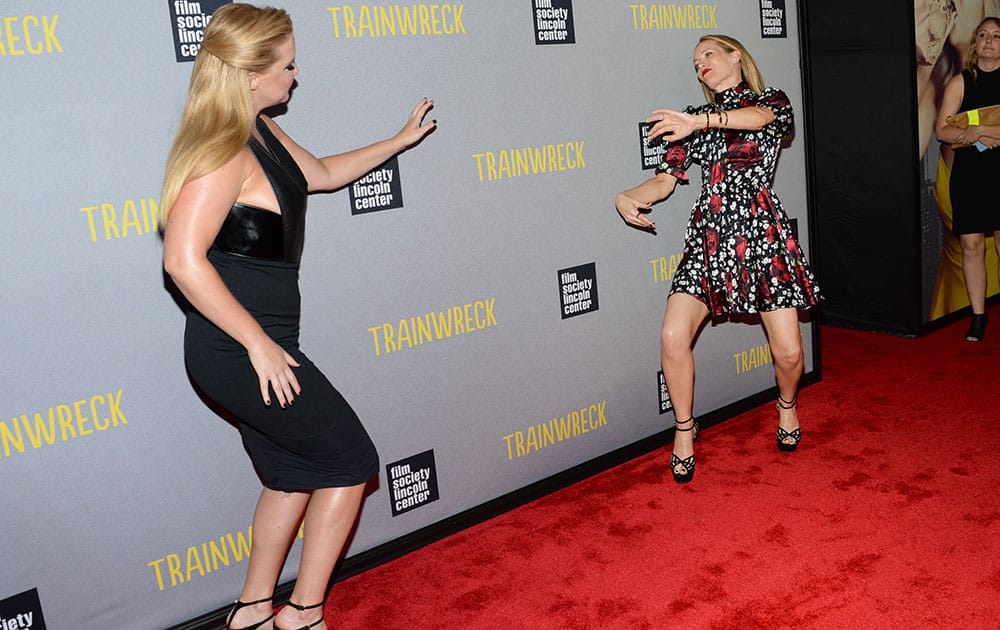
(318, 442)
(975, 208)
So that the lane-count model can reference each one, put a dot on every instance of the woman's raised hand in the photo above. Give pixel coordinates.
(672, 125)
(415, 128)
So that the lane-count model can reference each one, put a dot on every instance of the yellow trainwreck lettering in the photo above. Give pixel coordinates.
(22, 35)
(395, 20)
(511, 163)
(410, 332)
(537, 437)
(61, 422)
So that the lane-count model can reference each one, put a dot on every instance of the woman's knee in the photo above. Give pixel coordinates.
(674, 341)
(973, 247)
(787, 356)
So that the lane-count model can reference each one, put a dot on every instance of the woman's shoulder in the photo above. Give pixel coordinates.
(231, 174)
(274, 127)
(771, 98)
(956, 84)
(771, 92)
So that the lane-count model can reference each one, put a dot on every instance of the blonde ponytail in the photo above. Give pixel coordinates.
(219, 115)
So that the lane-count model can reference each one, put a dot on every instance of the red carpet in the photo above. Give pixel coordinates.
(887, 516)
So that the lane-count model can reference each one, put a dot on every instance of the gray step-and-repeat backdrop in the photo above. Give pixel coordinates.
(477, 300)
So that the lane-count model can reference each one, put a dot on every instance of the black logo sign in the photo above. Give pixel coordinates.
(188, 22)
(22, 611)
(553, 21)
(578, 290)
(412, 482)
(651, 153)
(665, 404)
(772, 18)
(378, 190)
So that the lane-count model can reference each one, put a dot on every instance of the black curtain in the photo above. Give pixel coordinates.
(861, 134)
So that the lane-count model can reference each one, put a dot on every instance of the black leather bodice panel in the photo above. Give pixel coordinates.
(252, 231)
(258, 233)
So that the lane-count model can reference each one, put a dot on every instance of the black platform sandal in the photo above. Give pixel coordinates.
(237, 605)
(687, 462)
(977, 328)
(783, 435)
(303, 608)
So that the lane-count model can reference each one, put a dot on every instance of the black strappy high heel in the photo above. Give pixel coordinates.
(687, 462)
(783, 435)
(237, 605)
(977, 328)
(302, 608)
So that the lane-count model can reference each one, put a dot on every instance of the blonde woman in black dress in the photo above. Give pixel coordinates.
(233, 204)
(975, 211)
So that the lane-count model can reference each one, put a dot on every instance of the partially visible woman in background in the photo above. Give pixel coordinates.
(975, 210)
(944, 39)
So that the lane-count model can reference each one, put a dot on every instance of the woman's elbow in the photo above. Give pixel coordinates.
(764, 118)
(172, 266)
(177, 265)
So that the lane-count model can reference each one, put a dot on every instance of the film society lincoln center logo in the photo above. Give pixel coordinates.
(578, 290)
(772, 19)
(380, 189)
(22, 612)
(188, 22)
(412, 482)
(650, 152)
(553, 21)
(661, 384)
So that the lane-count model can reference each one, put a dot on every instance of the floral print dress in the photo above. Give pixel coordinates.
(740, 255)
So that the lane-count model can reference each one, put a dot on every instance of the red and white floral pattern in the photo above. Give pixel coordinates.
(740, 254)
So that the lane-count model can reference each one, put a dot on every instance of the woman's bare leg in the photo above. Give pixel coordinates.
(275, 524)
(974, 269)
(329, 519)
(681, 321)
(785, 339)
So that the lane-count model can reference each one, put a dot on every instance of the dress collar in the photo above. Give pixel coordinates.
(731, 95)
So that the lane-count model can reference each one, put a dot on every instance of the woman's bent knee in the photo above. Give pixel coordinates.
(674, 342)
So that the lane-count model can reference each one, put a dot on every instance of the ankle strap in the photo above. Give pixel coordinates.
(238, 605)
(297, 607)
(241, 604)
(787, 404)
(677, 424)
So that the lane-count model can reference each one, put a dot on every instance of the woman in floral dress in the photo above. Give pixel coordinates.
(740, 254)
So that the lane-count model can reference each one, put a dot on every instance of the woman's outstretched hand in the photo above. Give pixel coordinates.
(415, 128)
(672, 125)
(632, 211)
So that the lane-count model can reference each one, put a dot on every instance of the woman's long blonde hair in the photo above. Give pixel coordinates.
(972, 59)
(751, 74)
(219, 113)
